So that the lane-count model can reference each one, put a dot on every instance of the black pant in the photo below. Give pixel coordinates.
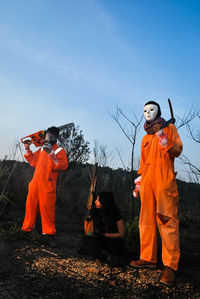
(94, 246)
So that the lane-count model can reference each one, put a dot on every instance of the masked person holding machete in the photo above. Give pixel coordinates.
(158, 193)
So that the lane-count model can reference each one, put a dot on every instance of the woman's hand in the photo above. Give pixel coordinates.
(121, 231)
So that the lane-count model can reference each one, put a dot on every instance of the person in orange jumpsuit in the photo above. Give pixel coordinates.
(48, 161)
(158, 193)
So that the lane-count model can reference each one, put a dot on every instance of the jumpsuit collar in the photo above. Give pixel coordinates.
(153, 127)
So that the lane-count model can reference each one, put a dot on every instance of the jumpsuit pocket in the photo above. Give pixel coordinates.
(145, 144)
(174, 197)
(167, 205)
(173, 194)
(174, 202)
(51, 185)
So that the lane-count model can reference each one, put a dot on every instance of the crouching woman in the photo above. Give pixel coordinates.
(107, 239)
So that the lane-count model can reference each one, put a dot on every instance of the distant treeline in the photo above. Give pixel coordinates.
(74, 184)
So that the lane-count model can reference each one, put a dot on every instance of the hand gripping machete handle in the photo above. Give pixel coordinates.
(172, 119)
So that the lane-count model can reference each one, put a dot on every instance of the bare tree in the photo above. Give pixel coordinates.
(15, 151)
(130, 130)
(101, 156)
(120, 157)
(195, 137)
(3, 196)
(103, 159)
(187, 117)
(192, 169)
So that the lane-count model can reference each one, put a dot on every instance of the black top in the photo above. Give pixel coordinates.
(108, 223)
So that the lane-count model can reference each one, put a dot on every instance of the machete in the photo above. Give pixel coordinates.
(172, 119)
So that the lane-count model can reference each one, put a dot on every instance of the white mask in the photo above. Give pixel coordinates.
(150, 112)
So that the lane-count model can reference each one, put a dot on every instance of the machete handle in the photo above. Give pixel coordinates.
(172, 119)
(166, 124)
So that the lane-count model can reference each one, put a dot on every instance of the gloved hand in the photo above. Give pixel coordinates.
(53, 157)
(137, 186)
(47, 147)
(163, 138)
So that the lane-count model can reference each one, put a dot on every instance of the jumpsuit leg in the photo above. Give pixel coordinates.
(47, 210)
(167, 221)
(169, 233)
(31, 208)
(147, 223)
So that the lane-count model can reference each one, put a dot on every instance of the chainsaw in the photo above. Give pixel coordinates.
(38, 138)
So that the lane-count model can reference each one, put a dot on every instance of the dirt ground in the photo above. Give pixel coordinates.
(29, 268)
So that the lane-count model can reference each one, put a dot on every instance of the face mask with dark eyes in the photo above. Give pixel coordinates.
(150, 112)
(50, 138)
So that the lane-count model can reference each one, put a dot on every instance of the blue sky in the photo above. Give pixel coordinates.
(72, 61)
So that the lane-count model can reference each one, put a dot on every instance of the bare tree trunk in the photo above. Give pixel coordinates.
(131, 134)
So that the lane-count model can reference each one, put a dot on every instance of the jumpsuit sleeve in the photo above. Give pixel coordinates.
(62, 161)
(174, 146)
(142, 159)
(32, 158)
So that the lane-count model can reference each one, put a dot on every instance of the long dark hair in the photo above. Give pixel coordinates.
(108, 210)
(107, 200)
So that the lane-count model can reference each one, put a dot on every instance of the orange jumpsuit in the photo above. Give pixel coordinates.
(42, 189)
(159, 198)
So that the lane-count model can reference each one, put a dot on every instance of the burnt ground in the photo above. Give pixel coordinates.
(31, 269)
